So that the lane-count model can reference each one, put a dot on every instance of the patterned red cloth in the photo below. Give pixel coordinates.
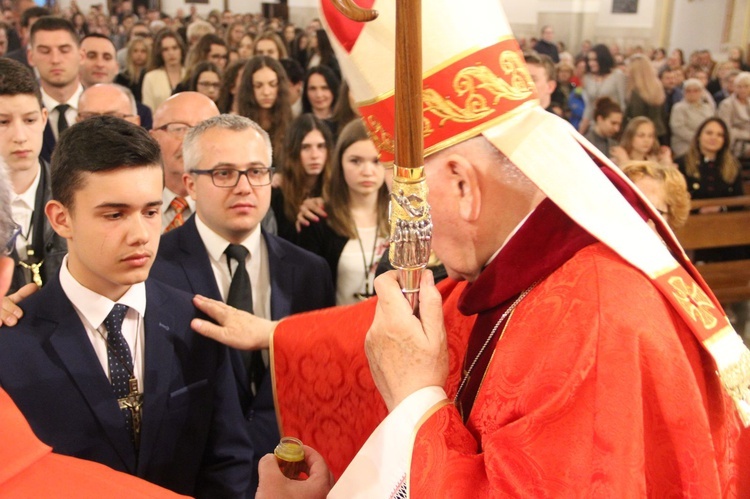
(324, 390)
(597, 387)
(587, 396)
(28, 468)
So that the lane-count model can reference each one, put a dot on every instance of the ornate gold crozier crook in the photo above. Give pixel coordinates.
(411, 224)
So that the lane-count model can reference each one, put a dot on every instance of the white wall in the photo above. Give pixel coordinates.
(698, 24)
(523, 12)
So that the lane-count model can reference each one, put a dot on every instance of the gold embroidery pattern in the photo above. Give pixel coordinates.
(381, 138)
(694, 301)
(476, 84)
(427, 126)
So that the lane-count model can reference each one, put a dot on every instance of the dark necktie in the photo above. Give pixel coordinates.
(62, 121)
(241, 297)
(120, 361)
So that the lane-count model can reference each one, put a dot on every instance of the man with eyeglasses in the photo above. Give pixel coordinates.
(172, 120)
(223, 253)
(108, 99)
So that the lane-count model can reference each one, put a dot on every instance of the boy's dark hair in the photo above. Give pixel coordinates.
(31, 13)
(53, 23)
(293, 70)
(80, 147)
(17, 79)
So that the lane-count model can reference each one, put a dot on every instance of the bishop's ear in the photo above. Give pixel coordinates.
(59, 218)
(464, 184)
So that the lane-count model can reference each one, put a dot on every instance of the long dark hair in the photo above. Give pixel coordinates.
(294, 187)
(604, 58)
(276, 119)
(198, 70)
(331, 80)
(157, 60)
(327, 55)
(343, 112)
(337, 194)
(728, 165)
(226, 99)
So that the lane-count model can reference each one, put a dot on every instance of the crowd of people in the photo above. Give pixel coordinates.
(274, 201)
(639, 104)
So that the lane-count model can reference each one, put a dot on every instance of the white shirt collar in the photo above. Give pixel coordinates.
(51, 103)
(28, 197)
(95, 307)
(216, 245)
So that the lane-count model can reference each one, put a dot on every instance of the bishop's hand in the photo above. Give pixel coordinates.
(236, 328)
(405, 352)
(10, 312)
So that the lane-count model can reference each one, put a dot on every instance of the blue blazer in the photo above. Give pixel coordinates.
(192, 437)
(300, 282)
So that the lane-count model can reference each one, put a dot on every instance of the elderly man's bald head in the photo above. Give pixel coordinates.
(109, 99)
(172, 120)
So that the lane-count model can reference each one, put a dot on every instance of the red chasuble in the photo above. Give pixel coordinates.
(595, 387)
(28, 468)
(324, 391)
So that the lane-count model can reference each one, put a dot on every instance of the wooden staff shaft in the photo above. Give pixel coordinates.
(409, 135)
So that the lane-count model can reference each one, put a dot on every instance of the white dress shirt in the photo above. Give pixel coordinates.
(93, 308)
(70, 115)
(22, 209)
(257, 266)
(168, 213)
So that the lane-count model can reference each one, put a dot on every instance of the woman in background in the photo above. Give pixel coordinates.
(320, 92)
(687, 115)
(602, 79)
(709, 166)
(308, 148)
(206, 79)
(245, 47)
(638, 143)
(270, 44)
(646, 95)
(664, 186)
(352, 239)
(735, 112)
(235, 34)
(230, 85)
(607, 123)
(136, 59)
(263, 97)
(165, 70)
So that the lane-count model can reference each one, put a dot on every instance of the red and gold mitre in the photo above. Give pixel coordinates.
(475, 82)
(473, 78)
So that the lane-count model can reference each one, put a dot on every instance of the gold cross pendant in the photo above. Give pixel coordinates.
(133, 401)
(36, 275)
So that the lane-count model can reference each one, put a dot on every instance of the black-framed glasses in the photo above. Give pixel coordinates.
(176, 128)
(11, 244)
(230, 177)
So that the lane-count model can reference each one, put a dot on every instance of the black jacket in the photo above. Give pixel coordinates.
(48, 247)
